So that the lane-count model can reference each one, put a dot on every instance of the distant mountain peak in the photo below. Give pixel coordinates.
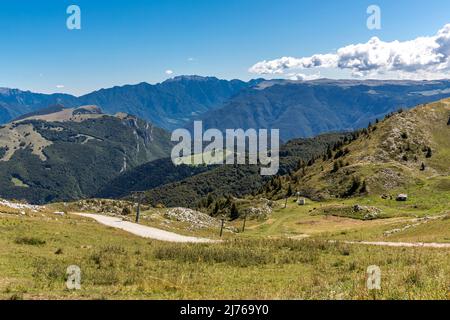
(5, 91)
(11, 92)
(191, 78)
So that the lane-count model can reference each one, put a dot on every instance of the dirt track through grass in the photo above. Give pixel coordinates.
(143, 231)
(401, 244)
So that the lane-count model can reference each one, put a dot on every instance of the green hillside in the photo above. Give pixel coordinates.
(70, 153)
(234, 180)
(408, 152)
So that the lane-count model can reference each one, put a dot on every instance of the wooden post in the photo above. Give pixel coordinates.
(138, 210)
(285, 203)
(243, 226)
(221, 227)
(139, 195)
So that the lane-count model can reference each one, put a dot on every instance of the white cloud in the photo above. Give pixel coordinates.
(59, 86)
(169, 72)
(190, 59)
(303, 77)
(421, 58)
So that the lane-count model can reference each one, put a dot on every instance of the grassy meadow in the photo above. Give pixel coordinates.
(261, 263)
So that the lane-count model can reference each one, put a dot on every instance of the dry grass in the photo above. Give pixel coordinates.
(118, 265)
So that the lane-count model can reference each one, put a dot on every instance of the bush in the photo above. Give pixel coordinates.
(234, 213)
(336, 166)
(126, 211)
(29, 241)
(356, 184)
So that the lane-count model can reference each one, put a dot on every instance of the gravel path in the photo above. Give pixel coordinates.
(143, 231)
(402, 244)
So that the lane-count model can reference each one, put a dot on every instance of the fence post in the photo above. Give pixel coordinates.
(139, 195)
(221, 227)
(243, 226)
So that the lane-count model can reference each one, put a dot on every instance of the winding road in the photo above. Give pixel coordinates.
(143, 231)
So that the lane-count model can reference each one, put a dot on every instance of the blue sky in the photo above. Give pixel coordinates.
(132, 41)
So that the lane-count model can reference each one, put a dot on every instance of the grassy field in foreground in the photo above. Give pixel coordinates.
(36, 250)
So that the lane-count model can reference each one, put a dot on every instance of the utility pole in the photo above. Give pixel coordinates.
(139, 195)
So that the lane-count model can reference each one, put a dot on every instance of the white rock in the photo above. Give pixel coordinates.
(15, 205)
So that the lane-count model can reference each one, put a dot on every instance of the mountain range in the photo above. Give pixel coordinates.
(168, 105)
(306, 109)
(297, 108)
(61, 147)
(15, 103)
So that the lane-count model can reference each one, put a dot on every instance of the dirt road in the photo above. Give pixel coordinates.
(143, 231)
(402, 244)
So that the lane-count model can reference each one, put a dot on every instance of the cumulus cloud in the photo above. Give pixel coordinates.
(303, 77)
(423, 57)
(169, 72)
